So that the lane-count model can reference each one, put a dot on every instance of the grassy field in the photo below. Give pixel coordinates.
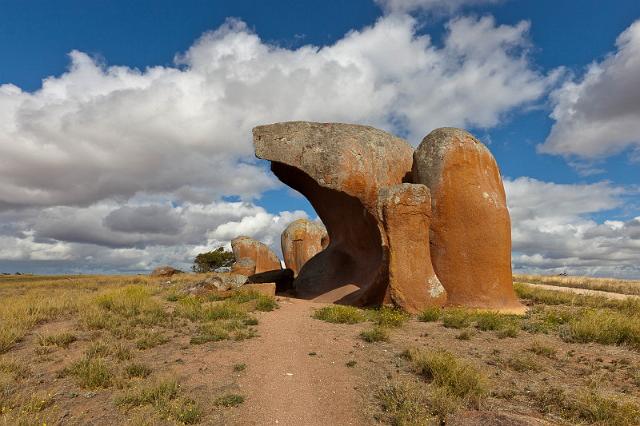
(601, 284)
(94, 346)
(137, 350)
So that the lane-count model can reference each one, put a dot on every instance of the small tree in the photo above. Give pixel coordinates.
(207, 262)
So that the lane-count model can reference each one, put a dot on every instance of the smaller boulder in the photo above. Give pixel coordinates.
(218, 282)
(283, 279)
(302, 240)
(165, 271)
(247, 248)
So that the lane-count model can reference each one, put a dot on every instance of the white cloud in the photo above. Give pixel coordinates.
(552, 231)
(110, 132)
(85, 239)
(433, 6)
(599, 114)
(109, 168)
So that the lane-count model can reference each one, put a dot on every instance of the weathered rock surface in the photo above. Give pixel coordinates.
(301, 240)
(283, 278)
(218, 282)
(470, 224)
(406, 213)
(264, 259)
(244, 266)
(340, 168)
(165, 271)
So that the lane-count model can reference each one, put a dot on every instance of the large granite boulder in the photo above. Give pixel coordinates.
(301, 240)
(470, 225)
(253, 257)
(340, 168)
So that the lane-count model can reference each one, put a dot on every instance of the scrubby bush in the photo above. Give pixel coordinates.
(212, 260)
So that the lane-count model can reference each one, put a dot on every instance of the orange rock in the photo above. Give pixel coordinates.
(470, 224)
(264, 259)
(244, 266)
(340, 168)
(406, 210)
(165, 271)
(302, 240)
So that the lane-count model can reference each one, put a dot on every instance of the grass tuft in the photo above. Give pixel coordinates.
(375, 334)
(137, 370)
(61, 340)
(444, 369)
(229, 400)
(91, 373)
(430, 314)
(340, 314)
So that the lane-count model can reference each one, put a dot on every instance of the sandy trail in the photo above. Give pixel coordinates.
(586, 292)
(285, 385)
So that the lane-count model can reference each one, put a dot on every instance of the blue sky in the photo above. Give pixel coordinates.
(148, 118)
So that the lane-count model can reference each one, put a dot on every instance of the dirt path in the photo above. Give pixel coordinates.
(296, 372)
(586, 292)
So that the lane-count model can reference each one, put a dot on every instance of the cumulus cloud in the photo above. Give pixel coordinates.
(433, 6)
(552, 229)
(109, 237)
(110, 132)
(599, 114)
(109, 168)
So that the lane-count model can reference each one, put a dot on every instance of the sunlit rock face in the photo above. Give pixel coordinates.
(371, 193)
(470, 225)
(301, 240)
(253, 257)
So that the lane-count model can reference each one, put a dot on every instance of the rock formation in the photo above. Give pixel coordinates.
(373, 195)
(405, 210)
(165, 271)
(253, 257)
(302, 240)
(470, 225)
(340, 168)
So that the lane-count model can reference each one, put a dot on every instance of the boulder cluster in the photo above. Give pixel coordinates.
(415, 228)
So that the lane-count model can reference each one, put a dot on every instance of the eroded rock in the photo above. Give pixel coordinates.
(470, 224)
(218, 282)
(406, 212)
(301, 240)
(340, 168)
(263, 258)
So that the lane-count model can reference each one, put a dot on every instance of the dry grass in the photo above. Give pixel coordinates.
(101, 323)
(590, 283)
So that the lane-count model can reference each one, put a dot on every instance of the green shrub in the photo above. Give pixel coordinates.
(340, 314)
(389, 317)
(461, 378)
(156, 394)
(430, 314)
(456, 318)
(603, 326)
(137, 370)
(91, 373)
(376, 334)
(212, 260)
(62, 340)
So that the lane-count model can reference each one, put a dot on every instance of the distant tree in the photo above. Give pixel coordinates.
(207, 262)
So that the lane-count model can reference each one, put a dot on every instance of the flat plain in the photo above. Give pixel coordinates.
(78, 350)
